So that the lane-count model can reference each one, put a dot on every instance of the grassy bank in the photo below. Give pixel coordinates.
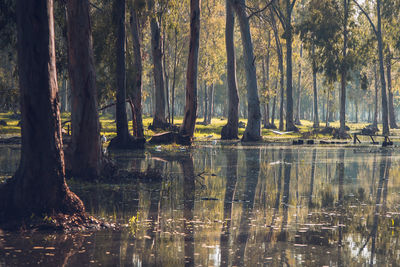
(202, 132)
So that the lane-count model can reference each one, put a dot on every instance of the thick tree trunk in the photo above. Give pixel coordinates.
(392, 115)
(159, 120)
(86, 157)
(253, 127)
(174, 78)
(385, 119)
(38, 187)
(289, 69)
(230, 130)
(122, 121)
(297, 120)
(189, 119)
(137, 122)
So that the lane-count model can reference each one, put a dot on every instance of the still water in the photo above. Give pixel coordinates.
(232, 205)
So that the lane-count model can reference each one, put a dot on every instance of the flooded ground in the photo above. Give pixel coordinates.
(232, 205)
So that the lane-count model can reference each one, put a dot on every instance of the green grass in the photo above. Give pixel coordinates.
(202, 132)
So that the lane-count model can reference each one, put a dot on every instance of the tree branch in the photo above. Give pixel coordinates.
(280, 15)
(366, 15)
(261, 10)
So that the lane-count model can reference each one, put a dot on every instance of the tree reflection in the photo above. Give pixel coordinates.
(230, 188)
(186, 163)
(252, 173)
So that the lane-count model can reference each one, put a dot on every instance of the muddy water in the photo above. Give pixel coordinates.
(232, 205)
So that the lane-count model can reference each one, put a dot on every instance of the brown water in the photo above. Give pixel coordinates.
(230, 205)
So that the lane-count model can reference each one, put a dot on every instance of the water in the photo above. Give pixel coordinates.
(225, 205)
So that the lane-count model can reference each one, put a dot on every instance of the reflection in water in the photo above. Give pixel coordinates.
(230, 188)
(252, 173)
(188, 207)
(266, 206)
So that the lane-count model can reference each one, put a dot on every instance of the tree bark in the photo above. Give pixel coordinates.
(289, 69)
(297, 120)
(230, 130)
(392, 115)
(315, 89)
(137, 122)
(123, 140)
(122, 121)
(279, 54)
(38, 187)
(210, 104)
(159, 120)
(189, 119)
(253, 127)
(375, 122)
(86, 157)
(343, 74)
(385, 119)
(205, 106)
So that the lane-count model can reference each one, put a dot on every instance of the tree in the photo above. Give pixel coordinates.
(137, 121)
(253, 127)
(230, 130)
(378, 32)
(279, 54)
(189, 119)
(159, 120)
(38, 187)
(286, 21)
(86, 157)
(123, 140)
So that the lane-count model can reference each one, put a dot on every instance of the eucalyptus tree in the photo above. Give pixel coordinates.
(285, 17)
(230, 130)
(377, 28)
(38, 186)
(86, 157)
(159, 120)
(136, 95)
(189, 119)
(253, 127)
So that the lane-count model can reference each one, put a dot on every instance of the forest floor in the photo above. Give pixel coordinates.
(202, 132)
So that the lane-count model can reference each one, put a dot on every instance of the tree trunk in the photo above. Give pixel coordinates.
(375, 123)
(315, 89)
(159, 120)
(253, 127)
(189, 119)
(174, 77)
(385, 119)
(122, 121)
(343, 74)
(123, 140)
(279, 54)
(38, 187)
(289, 68)
(274, 105)
(327, 108)
(210, 104)
(392, 115)
(137, 123)
(205, 106)
(297, 120)
(265, 72)
(230, 130)
(86, 157)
